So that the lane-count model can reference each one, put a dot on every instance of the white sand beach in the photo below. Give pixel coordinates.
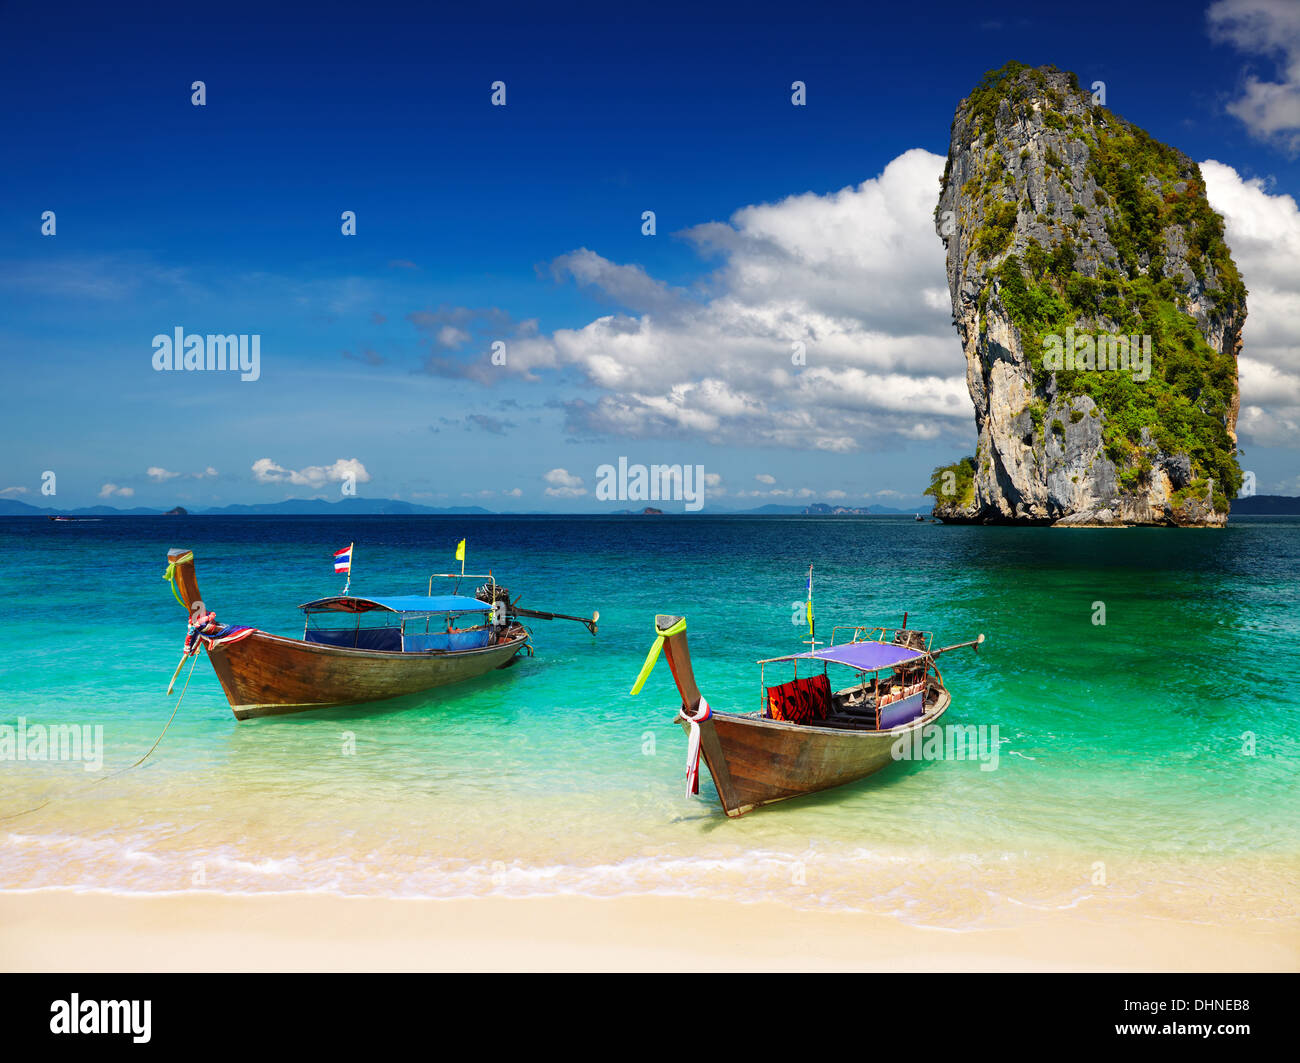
(63, 930)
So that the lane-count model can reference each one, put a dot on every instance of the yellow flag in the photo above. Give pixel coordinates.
(460, 550)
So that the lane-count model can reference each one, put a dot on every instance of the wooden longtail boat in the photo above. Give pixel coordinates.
(353, 649)
(807, 737)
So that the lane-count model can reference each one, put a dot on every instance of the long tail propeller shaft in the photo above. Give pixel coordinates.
(537, 614)
(959, 646)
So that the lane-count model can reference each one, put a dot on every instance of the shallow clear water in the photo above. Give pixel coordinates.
(1123, 775)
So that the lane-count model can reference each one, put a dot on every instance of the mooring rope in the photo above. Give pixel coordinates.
(104, 778)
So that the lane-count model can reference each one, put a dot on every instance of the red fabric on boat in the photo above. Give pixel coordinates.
(819, 689)
(800, 700)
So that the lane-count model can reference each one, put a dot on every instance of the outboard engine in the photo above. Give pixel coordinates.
(498, 597)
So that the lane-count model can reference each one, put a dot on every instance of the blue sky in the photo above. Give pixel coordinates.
(522, 224)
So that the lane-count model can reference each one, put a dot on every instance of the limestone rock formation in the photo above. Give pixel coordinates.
(1099, 310)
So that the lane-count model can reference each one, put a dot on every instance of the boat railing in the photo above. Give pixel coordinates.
(856, 636)
(458, 576)
(873, 634)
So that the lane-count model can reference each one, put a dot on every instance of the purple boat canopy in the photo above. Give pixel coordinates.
(865, 656)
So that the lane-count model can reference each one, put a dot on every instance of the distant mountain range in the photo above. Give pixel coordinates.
(291, 507)
(1275, 505)
(1272, 505)
(382, 507)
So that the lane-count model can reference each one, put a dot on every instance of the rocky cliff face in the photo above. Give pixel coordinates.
(1099, 309)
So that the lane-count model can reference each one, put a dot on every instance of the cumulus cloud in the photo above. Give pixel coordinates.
(765, 478)
(625, 285)
(266, 471)
(564, 484)
(10, 492)
(1269, 107)
(113, 491)
(825, 326)
(1263, 231)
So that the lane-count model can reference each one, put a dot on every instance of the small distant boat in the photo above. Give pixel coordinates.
(74, 520)
(808, 736)
(354, 650)
(920, 518)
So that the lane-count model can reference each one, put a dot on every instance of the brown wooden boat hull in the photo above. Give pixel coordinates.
(268, 675)
(755, 761)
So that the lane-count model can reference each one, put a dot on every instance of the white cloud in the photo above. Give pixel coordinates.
(113, 491)
(1270, 109)
(160, 475)
(1263, 232)
(628, 285)
(855, 276)
(514, 492)
(564, 484)
(765, 478)
(265, 471)
(9, 492)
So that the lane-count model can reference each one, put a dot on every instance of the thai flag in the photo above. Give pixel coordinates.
(343, 560)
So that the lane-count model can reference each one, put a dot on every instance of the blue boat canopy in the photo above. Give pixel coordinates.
(865, 656)
(403, 603)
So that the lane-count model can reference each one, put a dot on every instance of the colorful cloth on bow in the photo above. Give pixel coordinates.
(228, 633)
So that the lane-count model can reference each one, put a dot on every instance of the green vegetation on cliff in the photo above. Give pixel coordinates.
(1169, 262)
(1184, 406)
(961, 483)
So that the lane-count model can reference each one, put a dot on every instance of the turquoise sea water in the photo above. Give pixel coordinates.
(1125, 774)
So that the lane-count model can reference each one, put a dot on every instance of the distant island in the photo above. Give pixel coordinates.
(825, 509)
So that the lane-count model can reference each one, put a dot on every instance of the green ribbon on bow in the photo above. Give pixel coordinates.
(170, 576)
(653, 655)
